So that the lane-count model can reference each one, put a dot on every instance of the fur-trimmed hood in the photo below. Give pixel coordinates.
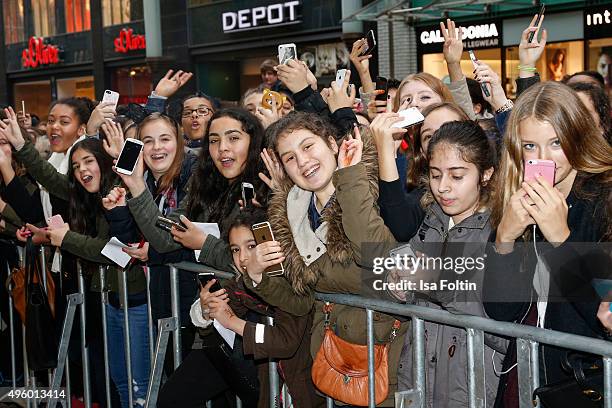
(298, 272)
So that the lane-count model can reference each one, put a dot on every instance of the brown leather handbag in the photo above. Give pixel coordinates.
(340, 369)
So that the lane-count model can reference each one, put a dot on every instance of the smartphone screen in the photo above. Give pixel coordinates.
(371, 40)
(381, 84)
(129, 156)
(205, 277)
(538, 18)
(248, 194)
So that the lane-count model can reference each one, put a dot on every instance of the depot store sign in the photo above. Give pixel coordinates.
(39, 54)
(261, 17)
(475, 36)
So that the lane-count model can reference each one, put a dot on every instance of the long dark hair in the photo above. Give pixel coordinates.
(600, 101)
(83, 206)
(208, 189)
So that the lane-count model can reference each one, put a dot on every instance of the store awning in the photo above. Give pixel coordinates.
(428, 10)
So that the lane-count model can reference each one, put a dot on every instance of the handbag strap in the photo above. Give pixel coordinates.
(327, 308)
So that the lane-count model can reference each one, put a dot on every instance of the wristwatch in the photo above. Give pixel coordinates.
(505, 107)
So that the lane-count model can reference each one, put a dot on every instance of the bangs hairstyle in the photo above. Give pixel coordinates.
(418, 164)
(430, 81)
(208, 189)
(83, 206)
(299, 121)
(473, 146)
(166, 181)
(584, 146)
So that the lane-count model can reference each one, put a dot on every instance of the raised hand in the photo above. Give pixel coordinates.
(351, 150)
(113, 143)
(172, 82)
(339, 95)
(275, 169)
(9, 128)
(101, 114)
(134, 182)
(192, 238)
(294, 75)
(266, 254)
(453, 43)
(115, 198)
(268, 116)
(485, 75)
(530, 52)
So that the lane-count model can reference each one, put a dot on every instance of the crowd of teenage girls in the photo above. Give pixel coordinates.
(329, 175)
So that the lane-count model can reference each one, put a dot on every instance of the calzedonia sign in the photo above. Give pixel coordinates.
(277, 14)
(475, 36)
(38, 53)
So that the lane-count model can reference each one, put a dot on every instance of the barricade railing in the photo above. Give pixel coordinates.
(528, 340)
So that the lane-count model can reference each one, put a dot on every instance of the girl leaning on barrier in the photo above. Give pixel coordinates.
(84, 236)
(306, 216)
(460, 175)
(551, 283)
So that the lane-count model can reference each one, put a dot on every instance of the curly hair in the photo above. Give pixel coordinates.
(299, 121)
(81, 106)
(208, 189)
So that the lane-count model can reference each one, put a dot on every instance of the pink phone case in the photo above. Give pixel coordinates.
(546, 168)
(55, 221)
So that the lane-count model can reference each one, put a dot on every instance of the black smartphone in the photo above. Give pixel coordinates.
(381, 84)
(205, 277)
(248, 194)
(371, 40)
(129, 156)
(167, 224)
(538, 18)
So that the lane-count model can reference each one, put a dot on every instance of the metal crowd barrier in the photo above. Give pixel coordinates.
(528, 340)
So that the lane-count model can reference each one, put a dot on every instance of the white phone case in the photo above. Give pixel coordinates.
(128, 171)
(286, 52)
(410, 117)
(111, 96)
(340, 75)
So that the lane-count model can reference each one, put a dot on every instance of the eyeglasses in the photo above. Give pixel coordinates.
(202, 111)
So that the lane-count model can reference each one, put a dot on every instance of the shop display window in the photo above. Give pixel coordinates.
(77, 14)
(558, 61)
(79, 87)
(37, 96)
(435, 65)
(121, 11)
(600, 58)
(132, 83)
(43, 13)
(14, 31)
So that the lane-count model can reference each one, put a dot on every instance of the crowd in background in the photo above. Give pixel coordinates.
(330, 173)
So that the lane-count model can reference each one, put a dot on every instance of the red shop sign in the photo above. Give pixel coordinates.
(127, 41)
(39, 53)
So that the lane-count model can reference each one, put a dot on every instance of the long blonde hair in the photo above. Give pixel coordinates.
(585, 148)
(432, 83)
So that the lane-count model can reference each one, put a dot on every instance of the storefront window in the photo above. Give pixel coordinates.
(37, 96)
(121, 11)
(132, 83)
(77, 15)
(600, 58)
(14, 31)
(43, 13)
(435, 64)
(557, 61)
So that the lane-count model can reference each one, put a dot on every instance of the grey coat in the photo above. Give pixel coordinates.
(445, 346)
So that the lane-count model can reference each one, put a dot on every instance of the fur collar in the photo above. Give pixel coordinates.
(338, 247)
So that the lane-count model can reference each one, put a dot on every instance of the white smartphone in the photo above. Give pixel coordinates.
(111, 96)
(286, 52)
(340, 75)
(410, 117)
(129, 156)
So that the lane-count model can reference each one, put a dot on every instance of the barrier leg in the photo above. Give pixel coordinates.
(103, 303)
(476, 371)
(62, 359)
(68, 387)
(273, 374)
(26, 368)
(329, 402)
(238, 402)
(370, 332)
(126, 335)
(535, 369)
(523, 359)
(165, 326)
(607, 382)
(150, 317)
(84, 349)
(12, 335)
(174, 295)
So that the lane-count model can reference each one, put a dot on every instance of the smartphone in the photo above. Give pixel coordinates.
(205, 277)
(167, 224)
(410, 117)
(129, 156)
(286, 52)
(55, 221)
(263, 233)
(340, 75)
(546, 168)
(484, 88)
(248, 194)
(538, 18)
(371, 40)
(23, 108)
(381, 84)
(111, 96)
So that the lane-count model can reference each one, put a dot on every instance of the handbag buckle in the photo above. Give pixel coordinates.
(592, 395)
(396, 326)
(346, 379)
(327, 308)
